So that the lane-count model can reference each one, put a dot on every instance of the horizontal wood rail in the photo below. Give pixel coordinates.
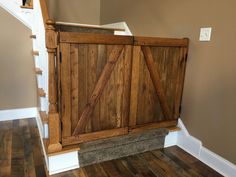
(88, 26)
(84, 38)
(163, 124)
(160, 42)
(174, 129)
(94, 136)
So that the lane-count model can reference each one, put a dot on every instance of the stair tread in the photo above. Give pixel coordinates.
(35, 53)
(41, 92)
(27, 7)
(44, 116)
(33, 36)
(38, 71)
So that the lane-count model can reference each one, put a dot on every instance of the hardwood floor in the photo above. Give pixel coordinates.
(20, 149)
(21, 156)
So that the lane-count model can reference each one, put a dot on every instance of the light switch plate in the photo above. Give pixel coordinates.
(205, 34)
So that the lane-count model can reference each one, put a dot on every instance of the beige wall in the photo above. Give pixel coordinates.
(209, 102)
(80, 11)
(17, 79)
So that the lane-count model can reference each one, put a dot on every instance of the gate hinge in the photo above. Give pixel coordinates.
(60, 57)
(180, 109)
(61, 126)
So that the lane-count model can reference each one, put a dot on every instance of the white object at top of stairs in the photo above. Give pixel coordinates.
(13, 7)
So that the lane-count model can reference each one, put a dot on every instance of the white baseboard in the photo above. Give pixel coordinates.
(42, 135)
(194, 146)
(13, 114)
(63, 162)
(171, 139)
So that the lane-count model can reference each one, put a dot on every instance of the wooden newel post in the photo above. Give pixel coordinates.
(54, 121)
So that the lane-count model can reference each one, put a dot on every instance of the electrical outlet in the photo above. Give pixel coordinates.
(205, 34)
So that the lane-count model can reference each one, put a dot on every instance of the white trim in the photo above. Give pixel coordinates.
(188, 142)
(63, 162)
(22, 113)
(194, 146)
(122, 25)
(13, 7)
(171, 139)
(41, 134)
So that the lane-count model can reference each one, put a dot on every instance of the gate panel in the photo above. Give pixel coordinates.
(82, 67)
(157, 82)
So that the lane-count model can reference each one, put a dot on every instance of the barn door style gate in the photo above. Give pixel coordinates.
(112, 85)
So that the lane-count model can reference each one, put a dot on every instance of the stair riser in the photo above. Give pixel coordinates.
(120, 151)
(118, 147)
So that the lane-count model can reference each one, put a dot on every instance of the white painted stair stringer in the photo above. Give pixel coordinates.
(41, 61)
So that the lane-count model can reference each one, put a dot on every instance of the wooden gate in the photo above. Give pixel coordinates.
(110, 85)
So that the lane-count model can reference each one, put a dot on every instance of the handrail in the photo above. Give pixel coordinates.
(45, 13)
(88, 26)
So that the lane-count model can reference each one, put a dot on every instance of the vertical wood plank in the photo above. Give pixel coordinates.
(82, 80)
(92, 79)
(101, 84)
(74, 85)
(103, 53)
(180, 81)
(134, 85)
(66, 89)
(127, 85)
(155, 76)
(117, 91)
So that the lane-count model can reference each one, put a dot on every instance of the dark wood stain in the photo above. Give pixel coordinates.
(20, 149)
(21, 156)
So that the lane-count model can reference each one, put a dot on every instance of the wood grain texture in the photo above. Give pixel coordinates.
(141, 88)
(143, 127)
(20, 149)
(134, 85)
(44, 10)
(160, 42)
(84, 38)
(94, 136)
(101, 84)
(155, 76)
(21, 155)
(168, 162)
(66, 89)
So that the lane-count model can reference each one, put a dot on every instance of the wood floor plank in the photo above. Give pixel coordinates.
(140, 166)
(5, 148)
(21, 156)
